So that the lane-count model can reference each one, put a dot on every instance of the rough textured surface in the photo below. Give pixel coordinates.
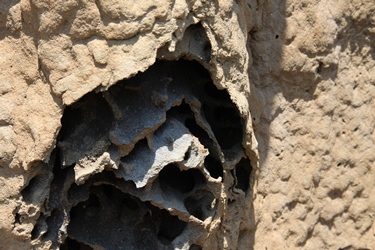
(314, 65)
(88, 141)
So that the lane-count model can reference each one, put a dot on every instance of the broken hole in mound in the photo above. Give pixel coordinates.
(108, 211)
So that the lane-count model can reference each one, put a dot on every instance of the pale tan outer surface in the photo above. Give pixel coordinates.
(316, 183)
(315, 186)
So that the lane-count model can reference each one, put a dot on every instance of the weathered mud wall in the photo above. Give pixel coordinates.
(187, 124)
(314, 69)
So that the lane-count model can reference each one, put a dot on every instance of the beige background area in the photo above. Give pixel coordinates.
(305, 69)
(316, 181)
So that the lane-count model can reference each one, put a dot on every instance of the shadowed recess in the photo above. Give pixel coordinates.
(71, 244)
(173, 179)
(111, 218)
(213, 167)
(201, 204)
(243, 171)
(225, 123)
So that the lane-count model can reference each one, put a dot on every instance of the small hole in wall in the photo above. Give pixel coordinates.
(335, 193)
(213, 167)
(17, 218)
(173, 179)
(243, 171)
(277, 37)
(319, 68)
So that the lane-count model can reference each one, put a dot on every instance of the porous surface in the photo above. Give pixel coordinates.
(314, 65)
(187, 124)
